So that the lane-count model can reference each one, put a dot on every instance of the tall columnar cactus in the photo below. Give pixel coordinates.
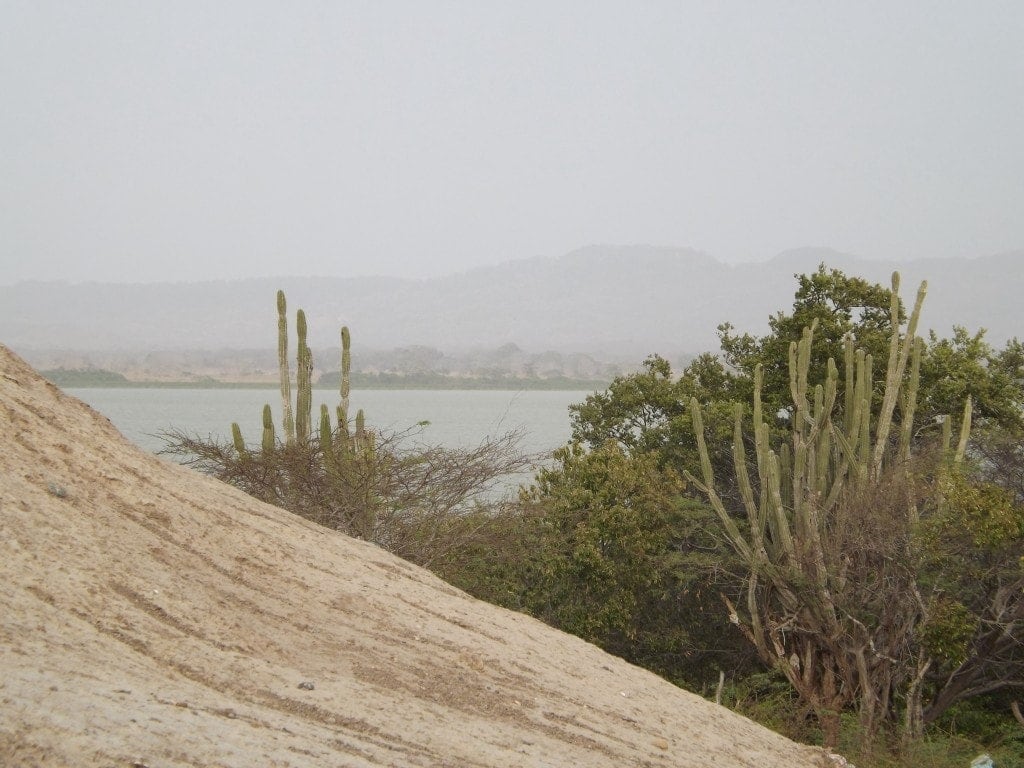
(359, 438)
(282, 360)
(236, 438)
(796, 576)
(346, 367)
(303, 381)
(269, 441)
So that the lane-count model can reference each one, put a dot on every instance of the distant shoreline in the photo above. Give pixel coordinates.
(97, 379)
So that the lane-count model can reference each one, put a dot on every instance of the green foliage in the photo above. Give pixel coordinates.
(971, 560)
(496, 566)
(967, 366)
(635, 410)
(838, 306)
(768, 698)
(608, 513)
(984, 514)
(841, 306)
(620, 557)
(967, 730)
(983, 720)
(947, 631)
(647, 412)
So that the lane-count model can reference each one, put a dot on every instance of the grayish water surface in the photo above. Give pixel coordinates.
(457, 418)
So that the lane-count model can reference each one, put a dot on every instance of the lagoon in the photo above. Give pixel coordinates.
(456, 418)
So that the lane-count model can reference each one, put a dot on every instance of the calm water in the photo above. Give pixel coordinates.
(457, 418)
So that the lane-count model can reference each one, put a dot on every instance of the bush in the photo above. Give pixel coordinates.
(420, 503)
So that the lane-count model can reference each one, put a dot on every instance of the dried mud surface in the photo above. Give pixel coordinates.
(151, 616)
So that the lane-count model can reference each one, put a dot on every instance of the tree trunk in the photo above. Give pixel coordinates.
(913, 717)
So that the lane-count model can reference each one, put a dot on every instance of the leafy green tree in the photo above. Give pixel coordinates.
(636, 411)
(647, 412)
(839, 306)
(621, 557)
(968, 366)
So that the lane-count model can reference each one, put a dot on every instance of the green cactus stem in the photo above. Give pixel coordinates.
(346, 368)
(326, 433)
(282, 360)
(303, 381)
(269, 438)
(236, 438)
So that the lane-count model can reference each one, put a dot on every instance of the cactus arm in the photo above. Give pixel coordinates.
(326, 436)
(850, 357)
(910, 401)
(707, 487)
(899, 352)
(743, 478)
(236, 438)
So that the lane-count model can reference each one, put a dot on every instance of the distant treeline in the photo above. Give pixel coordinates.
(331, 379)
(102, 378)
(86, 377)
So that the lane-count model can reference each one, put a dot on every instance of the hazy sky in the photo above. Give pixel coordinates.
(145, 141)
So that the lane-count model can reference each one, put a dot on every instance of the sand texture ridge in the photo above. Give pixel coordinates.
(152, 616)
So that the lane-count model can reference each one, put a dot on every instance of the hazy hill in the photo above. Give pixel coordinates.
(611, 302)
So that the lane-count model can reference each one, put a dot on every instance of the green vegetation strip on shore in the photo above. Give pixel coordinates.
(95, 378)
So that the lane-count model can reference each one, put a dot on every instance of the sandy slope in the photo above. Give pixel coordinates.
(153, 616)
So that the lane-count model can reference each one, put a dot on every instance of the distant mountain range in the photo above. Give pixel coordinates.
(614, 303)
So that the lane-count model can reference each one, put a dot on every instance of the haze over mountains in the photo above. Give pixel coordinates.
(613, 302)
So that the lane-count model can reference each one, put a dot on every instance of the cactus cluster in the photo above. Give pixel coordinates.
(297, 423)
(792, 614)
